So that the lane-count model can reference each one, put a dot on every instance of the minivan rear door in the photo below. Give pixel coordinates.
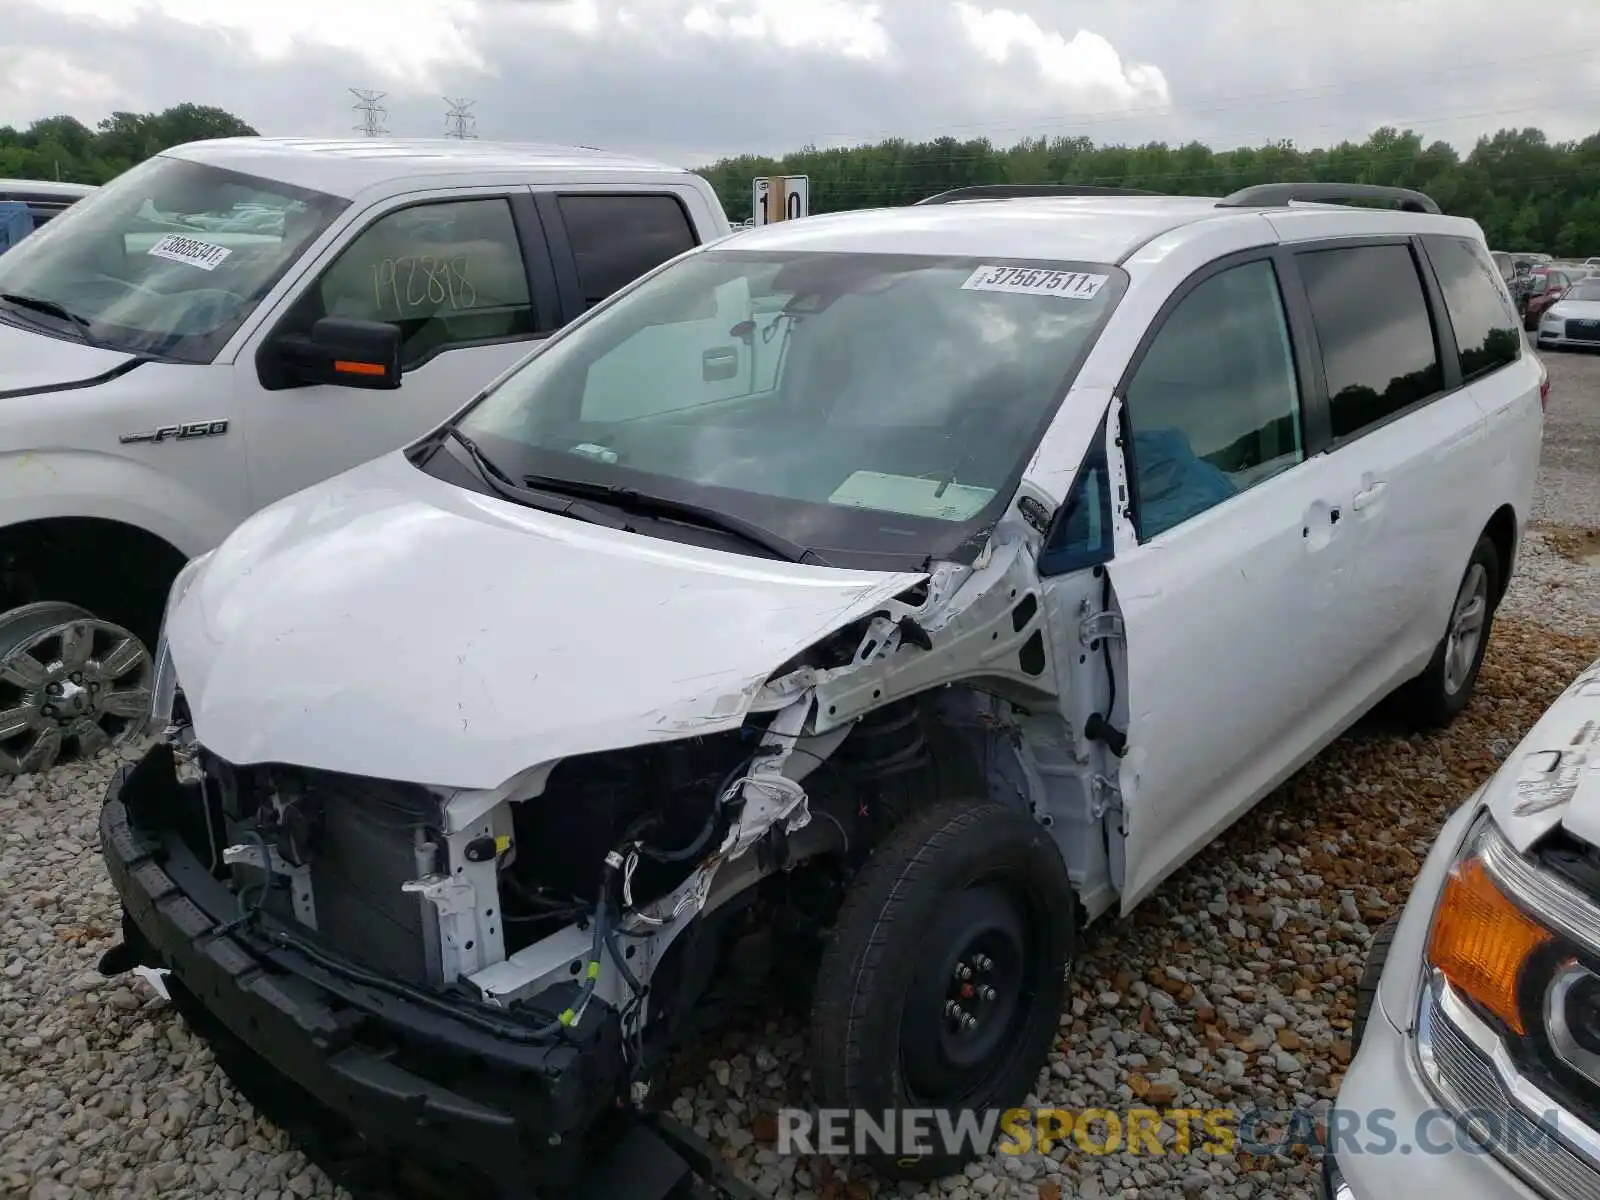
(1232, 568)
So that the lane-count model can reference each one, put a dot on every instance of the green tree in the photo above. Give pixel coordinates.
(1526, 192)
(64, 148)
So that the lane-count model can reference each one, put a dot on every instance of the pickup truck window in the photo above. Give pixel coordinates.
(874, 404)
(448, 274)
(618, 237)
(168, 258)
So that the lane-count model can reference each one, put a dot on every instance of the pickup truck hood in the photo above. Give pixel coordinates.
(36, 362)
(386, 623)
(1554, 774)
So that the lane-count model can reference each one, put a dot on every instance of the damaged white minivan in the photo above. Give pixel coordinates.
(873, 599)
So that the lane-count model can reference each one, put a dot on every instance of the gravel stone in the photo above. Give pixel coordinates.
(1231, 987)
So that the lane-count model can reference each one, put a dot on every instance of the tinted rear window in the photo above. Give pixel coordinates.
(1485, 324)
(1376, 335)
(617, 238)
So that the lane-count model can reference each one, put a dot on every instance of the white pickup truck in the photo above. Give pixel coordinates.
(234, 320)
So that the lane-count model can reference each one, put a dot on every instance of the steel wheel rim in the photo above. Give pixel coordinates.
(1466, 628)
(992, 947)
(71, 685)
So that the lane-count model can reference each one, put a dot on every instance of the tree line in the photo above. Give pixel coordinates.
(65, 148)
(1527, 192)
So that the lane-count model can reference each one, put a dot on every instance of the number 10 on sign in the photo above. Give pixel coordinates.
(780, 198)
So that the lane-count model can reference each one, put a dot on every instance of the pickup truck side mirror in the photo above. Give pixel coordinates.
(340, 351)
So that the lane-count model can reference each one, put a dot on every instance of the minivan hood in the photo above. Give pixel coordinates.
(1553, 776)
(386, 623)
(33, 362)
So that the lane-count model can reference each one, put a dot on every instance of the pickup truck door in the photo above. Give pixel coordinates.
(465, 273)
(604, 236)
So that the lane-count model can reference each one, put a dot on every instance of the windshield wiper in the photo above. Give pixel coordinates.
(504, 486)
(486, 465)
(646, 504)
(52, 309)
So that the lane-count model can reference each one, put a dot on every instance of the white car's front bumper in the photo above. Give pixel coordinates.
(1407, 1145)
(1566, 335)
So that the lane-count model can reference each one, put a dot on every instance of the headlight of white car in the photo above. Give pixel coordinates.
(1509, 1020)
(164, 688)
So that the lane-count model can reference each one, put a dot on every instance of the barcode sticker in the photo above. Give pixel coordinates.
(1035, 281)
(207, 256)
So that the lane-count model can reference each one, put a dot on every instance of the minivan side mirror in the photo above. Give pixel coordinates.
(339, 351)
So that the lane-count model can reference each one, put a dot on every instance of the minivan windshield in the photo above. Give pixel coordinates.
(167, 259)
(859, 405)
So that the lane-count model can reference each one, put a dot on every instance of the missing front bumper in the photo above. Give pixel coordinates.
(446, 1080)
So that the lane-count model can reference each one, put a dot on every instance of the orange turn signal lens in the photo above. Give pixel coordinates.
(359, 368)
(1481, 941)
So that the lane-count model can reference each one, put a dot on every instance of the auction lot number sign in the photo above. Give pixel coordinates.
(780, 198)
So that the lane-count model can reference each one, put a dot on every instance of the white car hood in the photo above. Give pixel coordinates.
(386, 623)
(36, 362)
(1574, 310)
(1553, 776)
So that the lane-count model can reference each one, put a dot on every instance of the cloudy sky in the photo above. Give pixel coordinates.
(691, 80)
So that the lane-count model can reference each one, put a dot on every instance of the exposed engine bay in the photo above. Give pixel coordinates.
(660, 879)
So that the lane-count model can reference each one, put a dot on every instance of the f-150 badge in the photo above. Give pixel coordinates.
(178, 433)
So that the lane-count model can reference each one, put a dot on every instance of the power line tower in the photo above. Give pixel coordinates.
(458, 122)
(372, 113)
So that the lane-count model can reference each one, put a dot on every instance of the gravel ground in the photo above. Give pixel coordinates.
(1558, 577)
(1231, 988)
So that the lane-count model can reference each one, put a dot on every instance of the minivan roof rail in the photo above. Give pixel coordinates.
(1019, 191)
(1274, 195)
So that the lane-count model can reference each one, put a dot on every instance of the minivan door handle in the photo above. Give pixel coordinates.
(1367, 496)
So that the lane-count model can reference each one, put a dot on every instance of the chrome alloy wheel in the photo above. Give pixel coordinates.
(1466, 628)
(70, 685)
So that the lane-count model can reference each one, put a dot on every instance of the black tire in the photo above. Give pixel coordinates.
(1433, 699)
(1371, 972)
(956, 884)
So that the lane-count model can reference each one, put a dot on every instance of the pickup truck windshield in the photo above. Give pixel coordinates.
(860, 405)
(167, 259)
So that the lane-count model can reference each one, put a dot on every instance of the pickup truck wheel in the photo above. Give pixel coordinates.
(70, 686)
(942, 982)
(1434, 698)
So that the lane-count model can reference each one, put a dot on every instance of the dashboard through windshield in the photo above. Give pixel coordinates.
(167, 259)
(861, 405)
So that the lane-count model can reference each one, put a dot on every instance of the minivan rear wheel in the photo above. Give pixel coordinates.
(1436, 697)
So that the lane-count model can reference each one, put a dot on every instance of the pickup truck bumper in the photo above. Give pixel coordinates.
(445, 1081)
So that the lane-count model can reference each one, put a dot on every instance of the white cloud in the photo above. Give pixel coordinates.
(52, 79)
(1088, 65)
(404, 43)
(572, 16)
(835, 26)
